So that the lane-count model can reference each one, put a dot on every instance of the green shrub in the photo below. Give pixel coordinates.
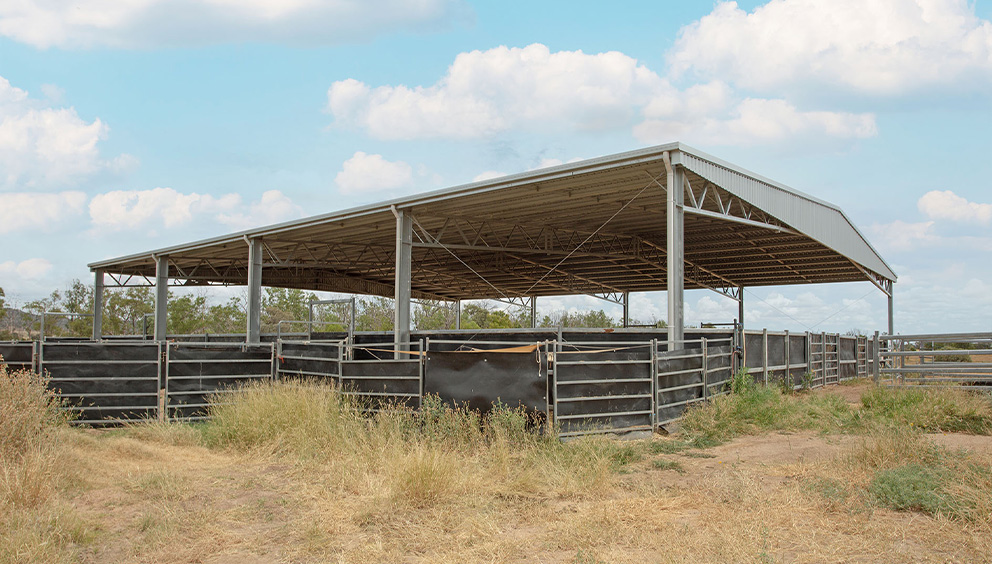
(913, 487)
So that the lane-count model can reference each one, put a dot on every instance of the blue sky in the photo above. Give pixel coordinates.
(128, 126)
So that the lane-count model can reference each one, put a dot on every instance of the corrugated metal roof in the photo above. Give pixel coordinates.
(596, 226)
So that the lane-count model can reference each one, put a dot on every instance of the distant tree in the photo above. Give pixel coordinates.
(228, 317)
(124, 310)
(188, 314)
(482, 315)
(285, 304)
(433, 314)
(561, 318)
(3, 304)
(374, 314)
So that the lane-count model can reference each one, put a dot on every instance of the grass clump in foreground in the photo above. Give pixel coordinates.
(751, 409)
(34, 525)
(412, 457)
(902, 469)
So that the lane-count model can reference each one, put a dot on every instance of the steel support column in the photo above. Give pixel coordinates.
(675, 253)
(97, 305)
(533, 312)
(254, 329)
(626, 309)
(891, 324)
(740, 308)
(161, 297)
(458, 314)
(404, 272)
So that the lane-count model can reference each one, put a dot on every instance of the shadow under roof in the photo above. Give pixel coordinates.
(591, 227)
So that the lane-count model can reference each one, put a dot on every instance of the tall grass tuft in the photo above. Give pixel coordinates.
(428, 456)
(931, 409)
(30, 425)
(34, 466)
(751, 409)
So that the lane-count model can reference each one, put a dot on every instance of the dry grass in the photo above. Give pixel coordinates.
(35, 467)
(324, 484)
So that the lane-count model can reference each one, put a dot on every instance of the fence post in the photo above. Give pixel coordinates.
(764, 355)
(654, 384)
(706, 384)
(163, 385)
(823, 356)
(274, 359)
(874, 359)
(788, 359)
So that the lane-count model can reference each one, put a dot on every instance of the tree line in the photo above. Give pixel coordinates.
(128, 311)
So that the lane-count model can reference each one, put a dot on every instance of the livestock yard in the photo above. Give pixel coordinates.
(532, 444)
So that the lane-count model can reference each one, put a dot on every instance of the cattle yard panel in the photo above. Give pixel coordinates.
(700, 370)
(310, 360)
(19, 355)
(934, 360)
(806, 359)
(603, 388)
(197, 374)
(385, 374)
(600, 383)
(104, 383)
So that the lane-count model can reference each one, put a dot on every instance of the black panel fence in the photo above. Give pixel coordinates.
(585, 382)
(806, 359)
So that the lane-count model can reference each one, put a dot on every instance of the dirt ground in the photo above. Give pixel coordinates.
(750, 500)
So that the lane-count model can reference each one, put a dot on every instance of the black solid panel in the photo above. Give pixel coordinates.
(480, 379)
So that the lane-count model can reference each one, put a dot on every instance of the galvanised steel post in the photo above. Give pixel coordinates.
(161, 297)
(97, 305)
(254, 329)
(891, 329)
(626, 309)
(740, 307)
(533, 312)
(403, 275)
(675, 259)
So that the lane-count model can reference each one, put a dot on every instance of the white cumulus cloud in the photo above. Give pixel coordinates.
(272, 207)
(42, 146)
(29, 269)
(21, 210)
(131, 209)
(149, 23)
(372, 173)
(903, 236)
(875, 47)
(945, 204)
(485, 93)
(753, 120)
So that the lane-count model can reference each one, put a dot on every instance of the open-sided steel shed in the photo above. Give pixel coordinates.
(668, 217)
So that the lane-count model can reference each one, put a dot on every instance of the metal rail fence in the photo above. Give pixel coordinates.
(19, 355)
(699, 371)
(806, 359)
(196, 372)
(598, 389)
(932, 360)
(384, 373)
(600, 383)
(104, 383)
